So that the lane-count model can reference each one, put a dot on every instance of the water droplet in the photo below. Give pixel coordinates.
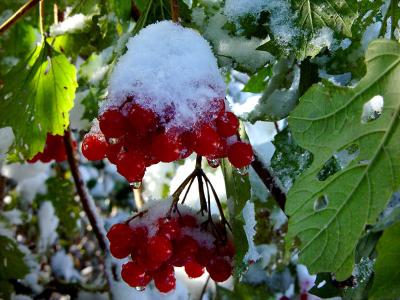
(243, 171)
(140, 288)
(321, 203)
(136, 184)
(214, 163)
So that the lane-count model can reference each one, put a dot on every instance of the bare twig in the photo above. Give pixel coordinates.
(268, 180)
(81, 190)
(204, 288)
(175, 11)
(17, 15)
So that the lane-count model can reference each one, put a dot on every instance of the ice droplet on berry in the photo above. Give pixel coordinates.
(243, 171)
(140, 288)
(214, 163)
(113, 141)
(136, 185)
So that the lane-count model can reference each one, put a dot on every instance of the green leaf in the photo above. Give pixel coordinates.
(60, 192)
(12, 265)
(244, 291)
(6, 290)
(386, 284)
(289, 159)
(257, 82)
(314, 15)
(238, 193)
(328, 217)
(37, 95)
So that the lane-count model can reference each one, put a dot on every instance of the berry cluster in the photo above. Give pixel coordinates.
(156, 248)
(133, 137)
(54, 149)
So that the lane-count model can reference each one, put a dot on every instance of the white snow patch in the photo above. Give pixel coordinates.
(76, 113)
(372, 109)
(323, 38)
(48, 223)
(71, 24)
(370, 33)
(229, 47)
(249, 228)
(63, 266)
(166, 65)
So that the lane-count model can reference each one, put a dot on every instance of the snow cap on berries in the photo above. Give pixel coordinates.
(167, 64)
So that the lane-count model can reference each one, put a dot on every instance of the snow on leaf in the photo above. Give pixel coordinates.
(327, 120)
(315, 16)
(386, 282)
(41, 91)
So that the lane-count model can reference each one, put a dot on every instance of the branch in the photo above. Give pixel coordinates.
(175, 11)
(18, 14)
(269, 182)
(81, 190)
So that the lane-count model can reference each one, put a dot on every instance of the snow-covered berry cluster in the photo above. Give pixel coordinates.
(54, 149)
(166, 100)
(158, 240)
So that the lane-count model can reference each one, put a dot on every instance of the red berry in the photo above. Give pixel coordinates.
(226, 250)
(120, 251)
(219, 268)
(113, 123)
(134, 275)
(167, 147)
(168, 228)
(227, 124)
(193, 269)
(131, 165)
(208, 142)
(114, 148)
(142, 119)
(55, 148)
(159, 249)
(240, 154)
(119, 232)
(164, 279)
(94, 146)
(204, 254)
(188, 221)
(185, 249)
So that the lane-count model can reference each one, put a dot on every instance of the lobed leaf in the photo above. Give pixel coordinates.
(328, 216)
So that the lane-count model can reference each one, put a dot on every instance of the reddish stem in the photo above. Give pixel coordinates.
(18, 14)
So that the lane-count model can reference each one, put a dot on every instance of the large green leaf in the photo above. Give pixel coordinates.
(36, 98)
(313, 15)
(312, 23)
(387, 275)
(328, 216)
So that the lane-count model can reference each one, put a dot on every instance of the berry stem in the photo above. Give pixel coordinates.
(175, 10)
(81, 190)
(204, 287)
(41, 17)
(17, 15)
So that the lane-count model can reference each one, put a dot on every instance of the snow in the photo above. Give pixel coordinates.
(157, 209)
(6, 139)
(281, 19)
(370, 33)
(241, 49)
(372, 109)
(236, 8)
(157, 177)
(323, 38)
(13, 216)
(249, 228)
(76, 114)
(166, 65)
(48, 223)
(71, 24)
(62, 266)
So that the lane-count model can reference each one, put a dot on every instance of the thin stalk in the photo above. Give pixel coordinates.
(17, 15)
(175, 10)
(41, 17)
